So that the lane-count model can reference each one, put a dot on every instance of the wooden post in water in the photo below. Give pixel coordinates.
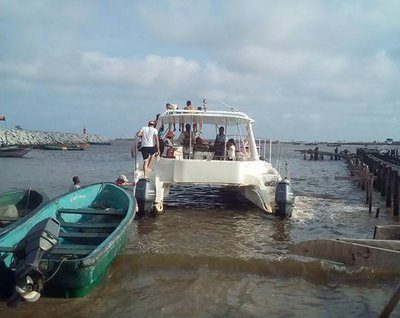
(396, 195)
(388, 186)
(379, 177)
(382, 173)
(359, 173)
(369, 191)
(393, 182)
(387, 310)
(364, 176)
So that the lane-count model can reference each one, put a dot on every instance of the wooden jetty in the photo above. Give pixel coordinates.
(316, 154)
(380, 253)
(380, 172)
(372, 169)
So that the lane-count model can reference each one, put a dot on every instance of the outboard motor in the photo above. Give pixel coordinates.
(284, 198)
(38, 242)
(145, 194)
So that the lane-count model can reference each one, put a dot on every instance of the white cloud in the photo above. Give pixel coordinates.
(313, 59)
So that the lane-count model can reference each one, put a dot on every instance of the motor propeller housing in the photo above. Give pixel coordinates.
(38, 242)
(284, 198)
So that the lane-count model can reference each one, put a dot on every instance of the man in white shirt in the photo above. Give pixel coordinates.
(149, 142)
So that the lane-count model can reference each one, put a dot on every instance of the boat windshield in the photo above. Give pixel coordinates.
(211, 135)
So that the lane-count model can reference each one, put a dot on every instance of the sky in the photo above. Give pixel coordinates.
(304, 70)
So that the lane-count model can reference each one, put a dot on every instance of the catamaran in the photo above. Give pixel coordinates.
(195, 161)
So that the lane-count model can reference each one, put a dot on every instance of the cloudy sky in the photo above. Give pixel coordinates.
(305, 70)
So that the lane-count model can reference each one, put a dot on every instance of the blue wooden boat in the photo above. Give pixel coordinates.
(16, 205)
(65, 247)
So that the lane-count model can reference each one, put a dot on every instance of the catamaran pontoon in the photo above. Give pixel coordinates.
(198, 164)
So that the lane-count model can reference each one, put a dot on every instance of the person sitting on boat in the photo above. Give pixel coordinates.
(186, 139)
(169, 106)
(200, 145)
(231, 149)
(198, 122)
(76, 184)
(149, 145)
(245, 149)
(219, 144)
(169, 148)
(122, 180)
(188, 106)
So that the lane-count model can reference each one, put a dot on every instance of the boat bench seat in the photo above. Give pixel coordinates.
(7, 249)
(63, 249)
(92, 211)
(73, 249)
(9, 218)
(89, 225)
(83, 235)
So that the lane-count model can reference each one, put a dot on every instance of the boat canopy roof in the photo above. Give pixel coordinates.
(226, 118)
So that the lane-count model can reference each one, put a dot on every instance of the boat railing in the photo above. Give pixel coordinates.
(262, 145)
(264, 148)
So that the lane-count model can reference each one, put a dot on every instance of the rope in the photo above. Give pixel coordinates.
(56, 271)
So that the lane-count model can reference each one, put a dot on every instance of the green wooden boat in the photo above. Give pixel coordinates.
(93, 224)
(17, 205)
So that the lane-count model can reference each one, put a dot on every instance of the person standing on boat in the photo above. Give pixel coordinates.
(76, 184)
(219, 144)
(188, 106)
(186, 139)
(150, 145)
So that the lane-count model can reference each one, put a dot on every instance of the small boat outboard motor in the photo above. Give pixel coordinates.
(38, 242)
(145, 194)
(284, 198)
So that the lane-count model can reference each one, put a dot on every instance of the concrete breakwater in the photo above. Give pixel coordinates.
(31, 137)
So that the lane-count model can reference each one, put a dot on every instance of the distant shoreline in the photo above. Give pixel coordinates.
(24, 137)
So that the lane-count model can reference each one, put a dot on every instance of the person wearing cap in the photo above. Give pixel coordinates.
(122, 180)
(150, 145)
(169, 148)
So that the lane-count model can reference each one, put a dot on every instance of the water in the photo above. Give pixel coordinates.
(214, 255)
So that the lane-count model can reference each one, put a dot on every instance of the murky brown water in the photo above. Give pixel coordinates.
(213, 255)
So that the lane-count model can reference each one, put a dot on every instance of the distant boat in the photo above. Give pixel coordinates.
(296, 143)
(101, 143)
(18, 204)
(333, 145)
(65, 147)
(66, 246)
(13, 151)
(311, 144)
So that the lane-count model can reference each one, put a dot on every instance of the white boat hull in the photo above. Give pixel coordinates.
(257, 178)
